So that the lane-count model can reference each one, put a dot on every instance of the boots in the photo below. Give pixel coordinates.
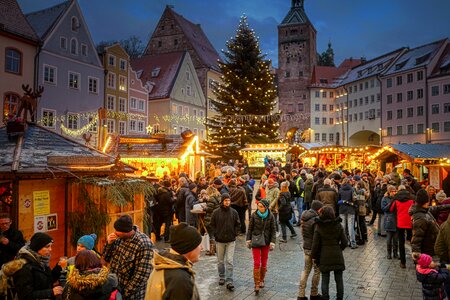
(212, 248)
(389, 251)
(395, 251)
(263, 275)
(256, 278)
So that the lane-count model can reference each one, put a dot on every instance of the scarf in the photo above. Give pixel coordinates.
(44, 261)
(262, 215)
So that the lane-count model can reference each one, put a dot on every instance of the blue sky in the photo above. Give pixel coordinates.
(355, 28)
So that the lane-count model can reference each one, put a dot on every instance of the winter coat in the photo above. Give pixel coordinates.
(284, 206)
(225, 224)
(272, 194)
(403, 200)
(308, 191)
(33, 281)
(346, 194)
(261, 193)
(9, 251)
(443, 216)
(212, 203)
(172, 278)
(390, 218)
(256, 227)
(191, 218)
(181, 203)
(248, 192)
(293, 190)
(442, 245)
(165, 201)
(328, 242)
(90, 285)
(432, 282)
(379, 194)
(308, 222)
(238, 196)
(316, 187)
(328, 196)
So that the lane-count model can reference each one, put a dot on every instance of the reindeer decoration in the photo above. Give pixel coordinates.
(28, 102)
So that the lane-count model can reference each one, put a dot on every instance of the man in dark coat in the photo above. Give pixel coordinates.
(238, 202)
(165, 201)
(182, 193)
(327, 195)
(11, 240)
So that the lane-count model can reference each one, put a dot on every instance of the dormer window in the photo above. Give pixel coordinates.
(155, 72)
(422, 59)
(359, 73)
(74, 46)
(380, 67)
(370, 70)
(75, 24)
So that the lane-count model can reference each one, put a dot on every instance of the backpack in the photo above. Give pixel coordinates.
(7, 289)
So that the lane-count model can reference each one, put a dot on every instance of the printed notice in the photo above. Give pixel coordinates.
(40, 224)
(41, 203)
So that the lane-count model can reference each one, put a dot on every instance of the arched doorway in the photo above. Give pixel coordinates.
(364, 137)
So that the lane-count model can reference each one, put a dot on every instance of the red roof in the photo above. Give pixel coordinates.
(160, 70)
(325, 76)
(350, 63)
(13, 20)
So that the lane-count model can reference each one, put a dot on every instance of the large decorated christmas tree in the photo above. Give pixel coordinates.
(245, 98)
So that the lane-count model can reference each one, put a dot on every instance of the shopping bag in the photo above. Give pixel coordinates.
(205, 241)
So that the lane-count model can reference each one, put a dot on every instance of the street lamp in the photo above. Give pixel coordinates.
(428, 135)
(381, 136)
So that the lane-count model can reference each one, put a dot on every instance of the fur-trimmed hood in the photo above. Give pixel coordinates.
(89, 280)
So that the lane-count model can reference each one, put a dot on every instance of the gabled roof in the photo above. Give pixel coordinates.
(160, 71)
(414, 58)
(44, 20)
(324, 76)
(13, 20)
(174, 147)
(372, 67)
(198, 39)
(296, 15)
(350, 63)
(423, 151)
(443, 65)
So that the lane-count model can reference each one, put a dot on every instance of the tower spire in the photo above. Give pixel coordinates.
(297, 3)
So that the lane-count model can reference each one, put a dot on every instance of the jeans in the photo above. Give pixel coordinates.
(392, 241)
(381, 224)
(305, 274)
(225, 254)
(260, 256)
(283, 228)
(294, 219)
(362, 227)
(299, 203)
(401, 243)
(326, 285)
(349, 221)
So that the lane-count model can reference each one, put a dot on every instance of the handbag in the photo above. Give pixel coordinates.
(258, 240)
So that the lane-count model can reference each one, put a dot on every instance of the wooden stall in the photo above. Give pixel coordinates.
(255, 154)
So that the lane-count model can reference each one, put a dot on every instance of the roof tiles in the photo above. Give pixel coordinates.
(13, 20)
(44, 20)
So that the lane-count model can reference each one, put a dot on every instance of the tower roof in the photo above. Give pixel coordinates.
(296, 14)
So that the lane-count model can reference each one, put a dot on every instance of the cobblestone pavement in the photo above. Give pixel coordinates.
(368, 274)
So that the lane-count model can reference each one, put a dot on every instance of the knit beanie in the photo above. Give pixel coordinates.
(265, 203)
(316, 205)
(124, 223)
(422, 197)
(192, 186)
(184, 238)
(225, 196)
(424, 260)
(217, 182)
(39, 240)
(88, 241)
(441, 196)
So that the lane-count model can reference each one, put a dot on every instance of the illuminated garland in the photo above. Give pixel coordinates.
(262, 118)
(80, 131)
(177, 119)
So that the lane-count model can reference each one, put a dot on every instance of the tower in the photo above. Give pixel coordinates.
(297, 57)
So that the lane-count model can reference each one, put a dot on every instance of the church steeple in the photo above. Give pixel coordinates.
(296, 14)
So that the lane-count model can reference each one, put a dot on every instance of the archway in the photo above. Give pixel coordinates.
(364, 137)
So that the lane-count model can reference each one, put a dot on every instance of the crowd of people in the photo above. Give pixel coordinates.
(333, 210)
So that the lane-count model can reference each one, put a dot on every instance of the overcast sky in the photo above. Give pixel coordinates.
(355, 28)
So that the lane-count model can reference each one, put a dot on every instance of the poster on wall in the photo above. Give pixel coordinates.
(40, 224)
(41, 202)
(433, 177)
(52, 222)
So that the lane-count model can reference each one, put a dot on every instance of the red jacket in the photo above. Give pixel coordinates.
(403, 200)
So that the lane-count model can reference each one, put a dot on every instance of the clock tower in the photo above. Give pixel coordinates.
(297, 56)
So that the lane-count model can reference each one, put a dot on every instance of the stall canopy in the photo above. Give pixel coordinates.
(416, 153)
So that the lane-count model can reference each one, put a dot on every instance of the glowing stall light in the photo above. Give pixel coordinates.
(190, 149)
(108, 141)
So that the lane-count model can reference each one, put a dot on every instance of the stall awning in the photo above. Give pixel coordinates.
(418, 153)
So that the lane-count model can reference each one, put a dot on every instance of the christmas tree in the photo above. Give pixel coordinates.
(245, 98)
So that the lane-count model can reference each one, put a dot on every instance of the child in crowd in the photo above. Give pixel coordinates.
(432, 275)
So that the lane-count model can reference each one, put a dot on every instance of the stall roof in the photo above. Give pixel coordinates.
(41, 150)
(423, 151)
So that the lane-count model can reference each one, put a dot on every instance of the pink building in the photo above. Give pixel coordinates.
(138, 104)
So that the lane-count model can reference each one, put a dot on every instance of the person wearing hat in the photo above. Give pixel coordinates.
(218, 184)
(432, 275)
(129, 252)
(172, 276)
(225, 227)
(86, 242)
(33, 279)
(261, 222)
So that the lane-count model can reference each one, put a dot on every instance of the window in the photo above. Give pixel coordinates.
(122, 126)
(360, 115)
(155, 72)
(361, 86)
(389, 82)
(140, 126)
(350, 117)
(355, 87)
(188, 75)
(446, 88)
(141, 105)
(331, 137)
(180, 110)
(317, 137)
(360, 101)
(133, 103)
(409, 77)
(74, 80)
(324, 137)
(366, 85)
(13, 63)
(10, 104)
(317, 94)
(409, 95)
(287, 74)
(399, 130)
(355, 117)
(331, 121)
(410, 129)
(201, 113)
(290, 108)
(74, 46)
(84, 49)
(110, 102)
(188, 90)
(324, 121)
(133, 125)
(350, 103)
(366, 115)
(331, 94)
(122, 105)
(419, 111)
(378, 97)
(399, 113)
(435, 127)
(159, 44)
(434, 109)
(399, 97)
(410, 112)
(123, 64)
(372, 99)
(389, 99)
(111, 60)
(324, 94)
(300, 73)
(389, 115)
(435, 90)
(48, 118)
(50, 74)
(63, 43)
(317, 107)
(378, 112)
(110, 124)
(399, 80)
(317, 120)
(447, 107)
(420, 128)
(300, 107)
(366, 100)
(372, 83)
(389, 131)
(324, 107)
(93, 127)
(93, 85)
(122, 83)
(175, 42)
(72, 121)
(75, 24)
(446, 126)
(355, 102)
(185, 111)
(111, 80)
(331, 107)
(419, 75)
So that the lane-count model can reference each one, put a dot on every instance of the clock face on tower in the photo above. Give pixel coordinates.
(292, 50)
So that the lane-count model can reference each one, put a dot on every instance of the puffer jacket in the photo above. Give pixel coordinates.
(443, 216)
(432, 282)
(172, 278)
(390, 218)
(165, 201)
(328, 242)
(191, 218)
(403, 200)
(256, 227)
(91, 285)
(308, 191)
(272, 194)
(225, 224)
(212, 203)
(284, 206)
(346, 194)
(442, 245)
(308, 222)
